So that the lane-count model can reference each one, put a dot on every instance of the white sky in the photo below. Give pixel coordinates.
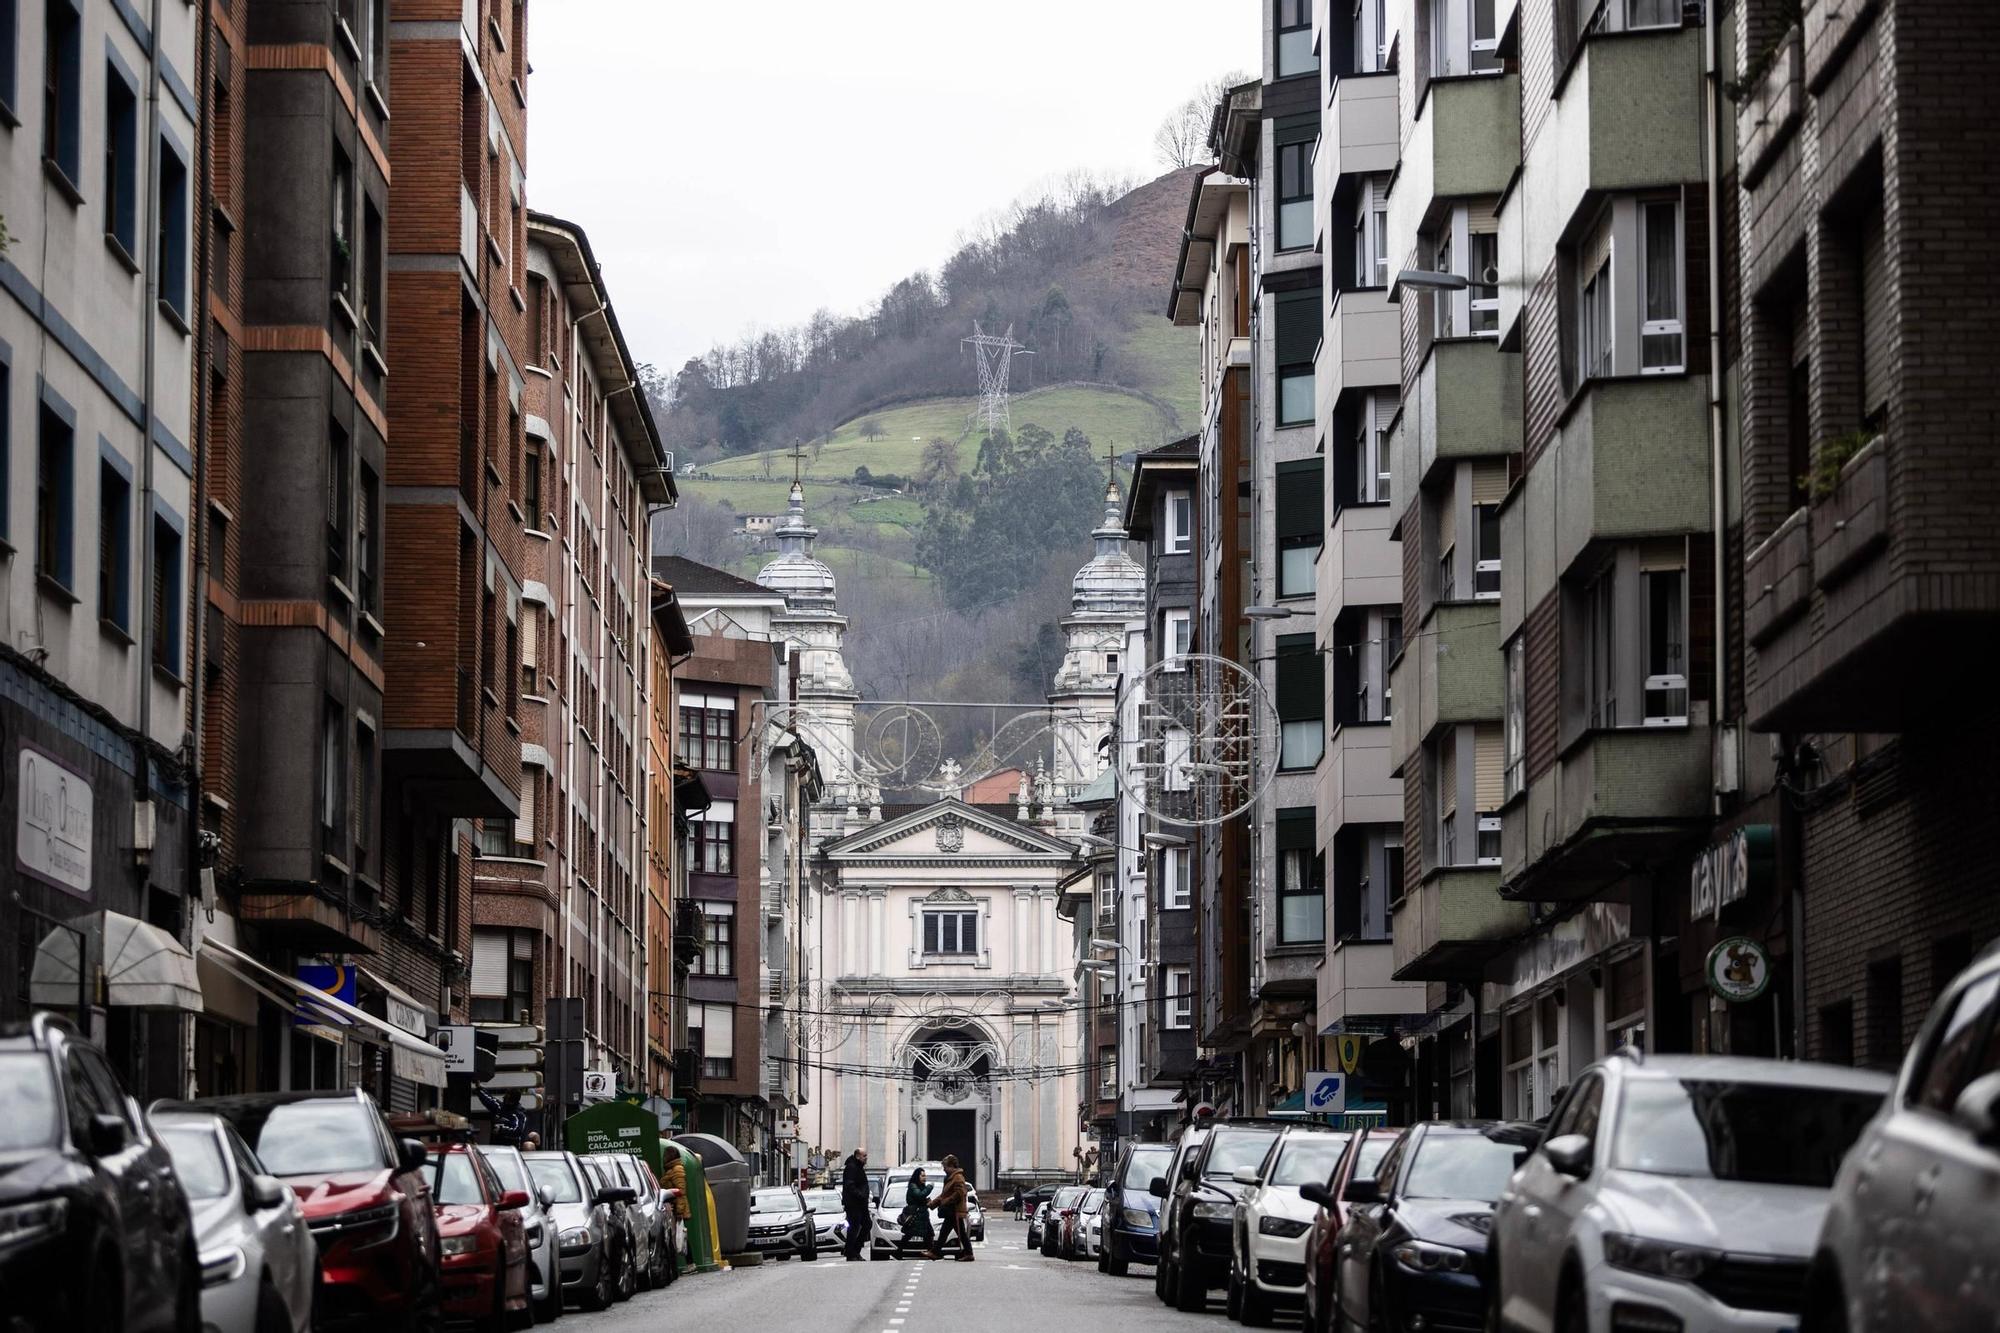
(740, 163)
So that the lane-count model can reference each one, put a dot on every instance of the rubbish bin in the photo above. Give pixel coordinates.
(728, 1177)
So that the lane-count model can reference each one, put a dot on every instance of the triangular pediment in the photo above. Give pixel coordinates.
(949, 829)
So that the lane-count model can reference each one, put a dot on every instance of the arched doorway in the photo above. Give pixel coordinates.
(952, 1096)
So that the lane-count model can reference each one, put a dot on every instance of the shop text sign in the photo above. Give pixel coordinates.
(52, 837)
(1727, 871)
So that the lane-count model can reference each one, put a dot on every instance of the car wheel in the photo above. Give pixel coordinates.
(1190, 1289)
(1160, 1279)
(103, 1301)
(812, 1250)
(598, 1295)
(1116, 1261)
(1572, 1309)
(552, 1305)
(628, 1277)
(272, 1316)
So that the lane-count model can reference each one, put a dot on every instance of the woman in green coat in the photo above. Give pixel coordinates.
(915, 1223)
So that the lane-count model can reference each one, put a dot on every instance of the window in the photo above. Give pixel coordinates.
(1630, 622)
(1486, 550)
(1295, 39)
(1107, 1072)
(712, 1031)
(531, 485)
(1179, 1014)
(1600, 650)
(1176, 882)
(121, 159)
(1660, 332)
(1296, 144)
(1444, 303)
(367, 540)
(377, 69)
(340, 269)
(1486, 849)
(717, 957)
(503, 975)
(172, 243)
(6, 424)
(55, 498)
(1467, 243)
(1662, 596)
(10, 55)
(950, 934)
(1301, 690)
(1483, 296)
(166, 592)
(715, 839)
(1642, 332)
(1301, 520)
(1645, 14)
(708, 732)
(365, 802)
(1371, 36)
(339, 501)
(1885, 1013)
(1298, 333)
(1180, 523)
(1961, 1050)
(114, 544)
(62, 89)
(1371, 462)
(1465, 38)
(1371, 232)
(332, 770)
(1301, 880)
(1514, 721)
(1107, 896)
(374, 293)
(1176, 631)
(1176, 753)
(1365, 644)
(1444, 796)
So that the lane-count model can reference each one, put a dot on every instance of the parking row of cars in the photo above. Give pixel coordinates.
(1670, 1194)
(279, 1212)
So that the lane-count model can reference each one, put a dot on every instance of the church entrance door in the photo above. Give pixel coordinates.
(957, 1133)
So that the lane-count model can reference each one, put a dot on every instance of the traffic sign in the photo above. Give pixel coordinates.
(513, 1034)
(514, 1078)
(457, 1043)
(518, 1057)
(1326, 1092)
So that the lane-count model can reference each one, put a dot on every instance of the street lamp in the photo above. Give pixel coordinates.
(1430, 278)
(1268, 613)
(1162, 840)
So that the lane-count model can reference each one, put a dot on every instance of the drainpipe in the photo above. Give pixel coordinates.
(197, 518)
(1728, 760)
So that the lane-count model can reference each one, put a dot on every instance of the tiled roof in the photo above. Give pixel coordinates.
(691, 578)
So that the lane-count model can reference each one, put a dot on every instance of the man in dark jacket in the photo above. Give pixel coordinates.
(854, 1201)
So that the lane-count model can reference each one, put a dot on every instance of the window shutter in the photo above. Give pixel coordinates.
(524, 944)
(1874, 316)
(489, 962)
(524, 822)
(1489, 481)
(1295, 129)
(718, 1031)
(1298, 326)
(1301, 685)
(1595, 251)
(530, 633)
(1301, 511)
(1489, 791)
(1448, 773)
(1480, 219)
(1295, 829)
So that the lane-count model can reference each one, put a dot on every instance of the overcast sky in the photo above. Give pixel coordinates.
(740, 163)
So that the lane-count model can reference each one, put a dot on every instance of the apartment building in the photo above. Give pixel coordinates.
(666, 967)
(560, 888)
(98, 431)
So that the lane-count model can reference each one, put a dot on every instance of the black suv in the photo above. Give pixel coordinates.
(1198, 1219)
(94, 1226)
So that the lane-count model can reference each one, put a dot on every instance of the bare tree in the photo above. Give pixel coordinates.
(1182, 139)
(767, 462)
(870, 429)
(819, 444)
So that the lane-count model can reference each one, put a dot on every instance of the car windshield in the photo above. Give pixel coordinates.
(775, 1201)
(27, 1101)
(1307, 1159)
(314, 1138)
(1370, 1154)
(553, 1174)
(1239, 1150)
(1765, 1133)
(455, 1181)
(1143, 1166)
(1093, 1201)
(823, 1201)
(507, 1166)
(1465, 1165)
(1067, 1196)
(197, 1155)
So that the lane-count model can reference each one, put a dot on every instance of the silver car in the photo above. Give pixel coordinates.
(258, 1261)
(652, 1221)
(544, 1278)
(586, 1238)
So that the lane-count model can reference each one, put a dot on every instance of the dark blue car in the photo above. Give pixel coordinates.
(1131, 1213)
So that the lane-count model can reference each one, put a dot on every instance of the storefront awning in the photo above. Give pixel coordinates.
(142, 966)
(410, 1056)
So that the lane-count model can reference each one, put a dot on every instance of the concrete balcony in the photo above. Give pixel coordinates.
(1466, 403)
(1357, 980)
(1452, 924)
(1363, 348)
(1631, 462)
(1615, 803)
(1355, 783)
(1465, 142)
(1359, 565)
(301, 918)
(1361, 126)
(1450, 673)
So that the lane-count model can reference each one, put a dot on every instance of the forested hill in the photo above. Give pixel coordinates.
(1079, 273)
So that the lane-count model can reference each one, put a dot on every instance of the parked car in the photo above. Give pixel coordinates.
(780, 1223)
(654, 1238)
(975, 1216)
(1071, 1244)
(1131, 1213)
(1038, 1223)
(481, 1239)
(1677, 1189)
(1054, 1227)
(257, 1258)
(1090, 1226)
(1161, 1190)
(827, 1215)
(1267, 1262)
(1195, 1232)
(94, 1225)
(1908, 1237)
(886, 1229)
(584, 1226)
(1027, 1202)
(1352, 1183)
(544, 1273)
(617, 1197)
(1412, 1259)
(366, 1198)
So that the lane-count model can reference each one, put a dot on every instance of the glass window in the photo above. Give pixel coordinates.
(62, 89)
(1306, 1159)
(173, 237)
(28, 1118)
(1295, 194)
(553, 1174)
(1176, 891)
(1295, 45)
(1144, 1164)
(715, 839)
(1179, 998)
(1369, 1155)
(1955, 1057)
(55, 499)
(314, 1137)
(1770, 1134)
(121, 159)
(455, 1182)
(1459, 1166)
(1661, 346)
(1237, 1150)
(1301, 897)
(1664, 603)
(1486, 551)
(1515, 723)
(1483, 297)
(197, 1159)
(1180, 523)
(718, 940)
(948, 934)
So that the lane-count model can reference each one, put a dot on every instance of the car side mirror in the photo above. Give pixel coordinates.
(1360, 1191)
(1316, 1193)
(266, 1192)
(1977, 1110)
(546, 1197)
(410, 1155)
(1157, 1187)
(1247, 1177)
(1190, 1169)
(514, 1199)
(108, 1134)
(1569, 1154)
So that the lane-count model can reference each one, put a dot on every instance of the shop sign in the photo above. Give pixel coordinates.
(1738, 969)
(1348, 1047)
(52, 835)
(1727, 871)
(406, 1015)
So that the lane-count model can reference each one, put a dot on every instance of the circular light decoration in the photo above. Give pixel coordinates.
(900, 746)
(1197, 739)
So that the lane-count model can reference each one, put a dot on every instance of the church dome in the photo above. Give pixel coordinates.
(1111, 580)
(795, 573)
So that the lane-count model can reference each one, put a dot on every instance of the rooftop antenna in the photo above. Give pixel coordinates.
(995, 355)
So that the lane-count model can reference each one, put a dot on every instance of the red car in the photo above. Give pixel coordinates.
(482, 1241)
(366, 1199)
(1352, 1182)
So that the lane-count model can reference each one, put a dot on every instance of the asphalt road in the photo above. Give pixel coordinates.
(1008, 1289)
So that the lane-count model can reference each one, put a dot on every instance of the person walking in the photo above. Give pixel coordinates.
(854, 1201)
(950, 1207)
(915, 1223)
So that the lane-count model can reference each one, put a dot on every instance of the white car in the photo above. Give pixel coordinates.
(1908, 1238)
(258, 1259)
(1090, 1226)
(887, 1231)
(1676, 1192)
(827, 1215)
(1267, 1253)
